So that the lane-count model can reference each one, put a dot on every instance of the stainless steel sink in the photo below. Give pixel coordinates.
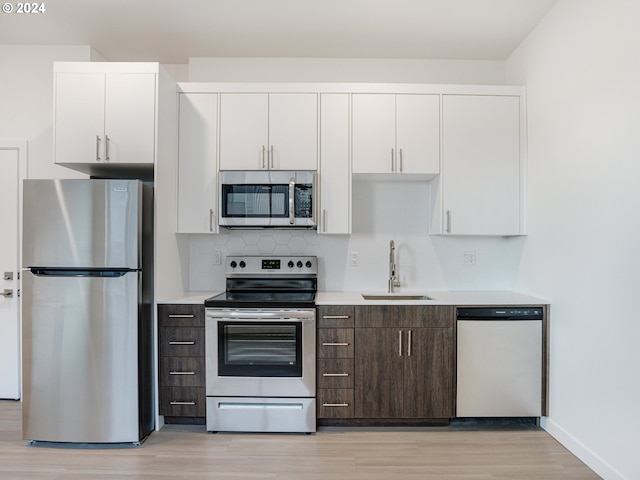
(394, 296)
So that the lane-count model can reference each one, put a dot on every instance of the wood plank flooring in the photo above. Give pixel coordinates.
(188, 452)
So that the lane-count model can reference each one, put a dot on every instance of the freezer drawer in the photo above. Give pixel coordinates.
(81, 358)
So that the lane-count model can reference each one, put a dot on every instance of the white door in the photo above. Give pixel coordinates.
(244, 131)
(79, 117)
(12, 171)
(374, 133)
(293, 131)
(418, 134)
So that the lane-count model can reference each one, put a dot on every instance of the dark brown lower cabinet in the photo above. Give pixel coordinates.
(403, 367)
(181, 371)
(404, 373)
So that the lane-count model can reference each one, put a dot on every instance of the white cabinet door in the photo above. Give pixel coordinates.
(418, 134)
(396, 134)
(481, 165)
(129, 122)
(79, 117)
(197, 170)
(374, 136)
(335, 179)
(244, 131)
(107, 118)
(293, 131)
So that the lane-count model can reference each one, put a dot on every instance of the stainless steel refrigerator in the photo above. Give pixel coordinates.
(87, 295)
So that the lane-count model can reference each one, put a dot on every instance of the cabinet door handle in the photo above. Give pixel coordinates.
(392, 161)
(272, 162)
(178, 342)
(335, 374)
(335, 404)
(98, 148)
(448, 221)
(264, 149)
(211, 219)
(337, 317)
(335, 344)
(182, 373)
(409, 343)
(182, 403)
(399, 343)
(292, 196)
(178, 315)
(106, 148)
(324, 220)
(400, 157)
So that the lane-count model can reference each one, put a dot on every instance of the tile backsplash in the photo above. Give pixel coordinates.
(382, 211)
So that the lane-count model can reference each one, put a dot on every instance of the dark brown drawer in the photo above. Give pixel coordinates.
(335, 342)
(404, 316)
(183, 401)
(182, 372)
(335, 403)
(181, 315)
(335, 373)
(335, 316)
(181, 341)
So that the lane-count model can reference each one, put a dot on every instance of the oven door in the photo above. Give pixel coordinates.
(260, 353)
(282, 199)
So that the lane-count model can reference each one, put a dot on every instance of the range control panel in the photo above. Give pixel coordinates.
(278, 265)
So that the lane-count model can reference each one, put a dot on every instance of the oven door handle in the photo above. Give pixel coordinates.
(292, 195)
(283, 315)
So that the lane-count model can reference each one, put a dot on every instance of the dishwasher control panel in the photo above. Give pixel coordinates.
(499, 313)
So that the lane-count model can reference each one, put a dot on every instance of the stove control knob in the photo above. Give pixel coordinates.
(233, 264)
(299, 264)
(242, 264)
(290, 264)
(308, 264)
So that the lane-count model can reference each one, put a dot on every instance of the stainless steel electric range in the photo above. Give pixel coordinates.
(261, 346)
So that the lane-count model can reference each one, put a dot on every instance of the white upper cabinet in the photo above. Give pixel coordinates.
(260, 131)
(481, 178)
(335, 177)
(197, 167)
(104, 118)
(398, 134)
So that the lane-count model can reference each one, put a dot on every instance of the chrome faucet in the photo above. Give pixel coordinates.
(394, 281)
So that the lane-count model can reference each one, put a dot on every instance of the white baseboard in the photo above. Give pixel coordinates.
(591, 459)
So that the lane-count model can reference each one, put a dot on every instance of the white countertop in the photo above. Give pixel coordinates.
(438, 297)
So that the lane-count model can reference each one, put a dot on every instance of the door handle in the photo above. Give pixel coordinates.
(8, 293)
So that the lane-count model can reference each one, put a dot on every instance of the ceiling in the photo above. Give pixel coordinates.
(171, 31)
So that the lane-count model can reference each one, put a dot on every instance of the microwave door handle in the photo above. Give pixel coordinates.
(292, 192)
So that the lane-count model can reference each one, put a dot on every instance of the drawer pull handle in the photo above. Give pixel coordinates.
(182, 373)
(177, 315)
(335, 374)
(335, 344)
(182, 403)
(181, 343)
(337, 317)
(335, 404)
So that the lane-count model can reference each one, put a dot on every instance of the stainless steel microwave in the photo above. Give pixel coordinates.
(262, 199)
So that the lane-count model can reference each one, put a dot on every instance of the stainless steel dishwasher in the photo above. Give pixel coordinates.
(499, 362)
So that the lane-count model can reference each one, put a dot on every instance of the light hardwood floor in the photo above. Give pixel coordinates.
(181, 452)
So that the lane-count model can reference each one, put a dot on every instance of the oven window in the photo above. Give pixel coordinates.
(255, 201)
(260, 349)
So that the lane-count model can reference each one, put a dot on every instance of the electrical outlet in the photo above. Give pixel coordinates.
(469, 258)
(217, 258)
(355, 260)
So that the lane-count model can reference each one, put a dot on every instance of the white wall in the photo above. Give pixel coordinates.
(26, 96)
(582, 71)
(348, 70)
